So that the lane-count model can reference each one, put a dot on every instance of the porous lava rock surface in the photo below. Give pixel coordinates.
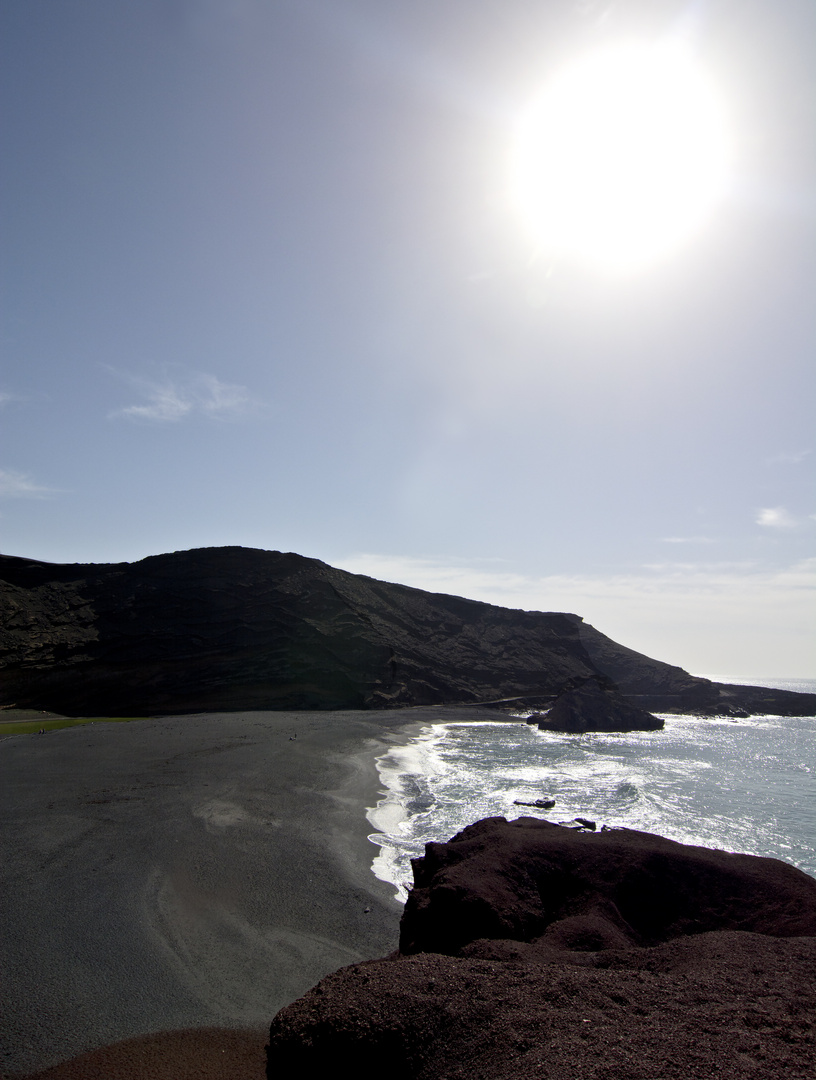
(521, 879)
(596, 704)
(529, 950)
(235, 628)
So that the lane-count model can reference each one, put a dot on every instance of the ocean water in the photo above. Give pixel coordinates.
(738, 785)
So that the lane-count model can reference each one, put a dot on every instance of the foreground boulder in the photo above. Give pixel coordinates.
(729, 1005)
(521, 879)
(234, 628)
(531, 950)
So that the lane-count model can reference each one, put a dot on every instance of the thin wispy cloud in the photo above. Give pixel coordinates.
(651, 608)
(775, 517)
(165, 403)
(683, 580)
(171, 399)
(709, 570)
(17, 485)
(789, 458)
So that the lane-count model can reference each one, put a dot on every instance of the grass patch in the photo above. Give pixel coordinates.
(51, 723)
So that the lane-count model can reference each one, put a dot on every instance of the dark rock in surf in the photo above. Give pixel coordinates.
(586, 823)
(576, 824)
(595, 704)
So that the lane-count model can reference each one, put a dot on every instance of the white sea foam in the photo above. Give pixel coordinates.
(741, 785)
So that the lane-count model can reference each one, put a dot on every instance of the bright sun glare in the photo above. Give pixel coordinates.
(621, 157)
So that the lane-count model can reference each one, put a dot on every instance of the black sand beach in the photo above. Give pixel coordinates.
(185, 872)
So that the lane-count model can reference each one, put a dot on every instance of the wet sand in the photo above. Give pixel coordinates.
(185, 872)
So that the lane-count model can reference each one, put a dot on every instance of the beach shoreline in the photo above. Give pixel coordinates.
(186, 872)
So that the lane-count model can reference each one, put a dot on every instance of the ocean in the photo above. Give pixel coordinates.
(738, 785)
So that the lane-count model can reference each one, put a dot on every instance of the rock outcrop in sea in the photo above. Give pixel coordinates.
(235, 628)
(595, 704)
(528, 949)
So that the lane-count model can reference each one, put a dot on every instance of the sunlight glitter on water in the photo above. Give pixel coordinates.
(741, 785)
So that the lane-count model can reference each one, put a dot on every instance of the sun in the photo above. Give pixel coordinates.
(621, 158)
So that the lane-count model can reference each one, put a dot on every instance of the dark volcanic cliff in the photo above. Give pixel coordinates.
(237, 628)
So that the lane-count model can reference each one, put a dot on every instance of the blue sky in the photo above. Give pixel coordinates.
(263, 285)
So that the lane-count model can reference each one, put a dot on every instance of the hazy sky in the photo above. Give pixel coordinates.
(264, 284)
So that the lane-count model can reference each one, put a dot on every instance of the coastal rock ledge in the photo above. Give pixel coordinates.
(529, 950)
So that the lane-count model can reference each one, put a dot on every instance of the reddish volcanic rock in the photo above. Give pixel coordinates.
(500, 879)
(726, 1005)
(191, 1054)
(530, 950)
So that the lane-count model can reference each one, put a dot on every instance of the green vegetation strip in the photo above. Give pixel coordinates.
(31, 727)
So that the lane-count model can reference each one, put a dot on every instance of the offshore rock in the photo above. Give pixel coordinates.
(236, 628)
(595, 704)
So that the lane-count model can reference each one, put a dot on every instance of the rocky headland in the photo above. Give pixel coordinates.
(531, 950)
(237, 628)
